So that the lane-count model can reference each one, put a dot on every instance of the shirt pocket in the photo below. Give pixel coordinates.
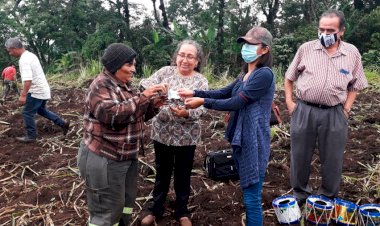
(341, 77)
(97, 182)
(96, 173)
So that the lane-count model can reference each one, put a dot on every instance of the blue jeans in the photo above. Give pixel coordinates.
(252, 202)
(33, 106)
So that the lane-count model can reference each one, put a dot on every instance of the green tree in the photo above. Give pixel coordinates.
(286, 46)
(270, 9)
(364, 34)
(220, 35)
(158, 53)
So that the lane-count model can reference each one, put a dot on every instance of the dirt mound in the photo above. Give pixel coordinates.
(40, 186)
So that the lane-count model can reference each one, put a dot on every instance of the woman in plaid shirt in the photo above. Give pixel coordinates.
(113, 132)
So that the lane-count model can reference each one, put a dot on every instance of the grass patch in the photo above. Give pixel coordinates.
(373, 78)
(279, 72)
(217, 81)
(80, 78)
(76, 79)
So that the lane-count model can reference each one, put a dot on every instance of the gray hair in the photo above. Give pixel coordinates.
(14, 43)
(336, 13)
(199, 53)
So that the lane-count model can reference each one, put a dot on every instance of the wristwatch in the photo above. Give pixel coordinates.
(348, 110)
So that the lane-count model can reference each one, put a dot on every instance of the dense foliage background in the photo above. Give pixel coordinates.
(70, 34)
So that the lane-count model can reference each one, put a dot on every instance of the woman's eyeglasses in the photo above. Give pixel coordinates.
(188, 57)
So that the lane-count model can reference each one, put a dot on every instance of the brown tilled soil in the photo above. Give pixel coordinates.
(39, 184)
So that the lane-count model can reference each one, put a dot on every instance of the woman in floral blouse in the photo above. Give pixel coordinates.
(176, 131)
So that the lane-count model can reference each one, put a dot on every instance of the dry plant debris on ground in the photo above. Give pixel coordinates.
(39, 184)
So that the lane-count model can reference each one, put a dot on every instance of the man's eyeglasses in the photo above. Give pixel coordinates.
(188, 57)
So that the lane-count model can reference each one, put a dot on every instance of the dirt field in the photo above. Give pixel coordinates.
(39, 184)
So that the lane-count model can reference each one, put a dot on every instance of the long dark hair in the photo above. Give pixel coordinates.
(265, 60)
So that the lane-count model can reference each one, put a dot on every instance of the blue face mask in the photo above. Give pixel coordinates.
(249, 53)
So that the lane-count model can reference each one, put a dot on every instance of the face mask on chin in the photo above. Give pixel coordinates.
(328, 40)
(249, 53)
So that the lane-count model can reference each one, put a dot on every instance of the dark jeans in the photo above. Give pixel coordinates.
(33, 106)
(111, 187)
(7, 85)
(181, 159)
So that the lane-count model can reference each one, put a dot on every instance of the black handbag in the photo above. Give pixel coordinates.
(220, 165)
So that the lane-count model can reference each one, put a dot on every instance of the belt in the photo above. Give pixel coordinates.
(318, 105)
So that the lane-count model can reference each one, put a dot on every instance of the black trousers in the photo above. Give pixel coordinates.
(179, 158)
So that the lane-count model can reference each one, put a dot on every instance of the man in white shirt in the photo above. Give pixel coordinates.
(35, 92)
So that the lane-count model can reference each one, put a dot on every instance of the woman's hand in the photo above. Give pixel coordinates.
(179, 112)
(185, 93)
(194, 102)
(160, 89)
(158, 101)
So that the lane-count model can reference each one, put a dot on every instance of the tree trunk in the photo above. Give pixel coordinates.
(308, 11)
(15, 7)
(165, 22)
(34, 48)
(119, 8)
(126, 14)
(155, 12)
(358, 4)
(271, 14)
(220, 35)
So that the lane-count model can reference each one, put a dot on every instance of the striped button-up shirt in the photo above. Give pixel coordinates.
(114, 118)
(325, 79)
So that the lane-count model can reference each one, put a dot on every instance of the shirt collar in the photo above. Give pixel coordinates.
(342, 48)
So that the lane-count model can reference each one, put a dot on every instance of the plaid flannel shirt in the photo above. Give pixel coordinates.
(114, 118)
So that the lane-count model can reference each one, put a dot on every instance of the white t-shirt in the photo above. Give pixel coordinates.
(31, 70)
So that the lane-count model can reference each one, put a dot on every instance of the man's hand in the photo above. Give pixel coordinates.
(194, 102)
(290, 105)
(179, 112)
(24, 92)
(288, 88)
(185, 93)
(160, 89)
(21, 100)
(346, 113)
